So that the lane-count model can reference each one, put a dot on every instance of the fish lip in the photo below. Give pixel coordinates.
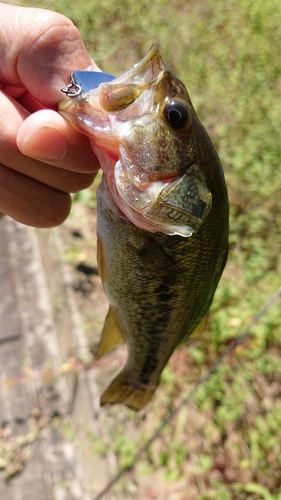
(153, 54)
(116, 96)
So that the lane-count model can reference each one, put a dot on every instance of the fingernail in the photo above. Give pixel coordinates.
(45, 143)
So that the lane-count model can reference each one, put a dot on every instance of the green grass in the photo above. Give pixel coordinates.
(227, 52)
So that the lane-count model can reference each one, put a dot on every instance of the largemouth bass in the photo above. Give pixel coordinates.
(162, 218)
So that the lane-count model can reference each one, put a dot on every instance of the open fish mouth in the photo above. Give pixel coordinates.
(141, 129)
(117, 95)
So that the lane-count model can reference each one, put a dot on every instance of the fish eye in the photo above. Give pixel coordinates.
(176, 114)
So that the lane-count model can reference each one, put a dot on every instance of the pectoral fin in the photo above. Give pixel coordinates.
(122, 391)
(199, 328)
(111, 334)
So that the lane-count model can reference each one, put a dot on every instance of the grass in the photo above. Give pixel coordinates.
(226, 444)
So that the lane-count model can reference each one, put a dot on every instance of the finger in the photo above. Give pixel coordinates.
(48, 137)
(39, 51)
(49, 174)
(31, 202)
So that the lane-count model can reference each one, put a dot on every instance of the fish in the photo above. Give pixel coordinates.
(162, 219)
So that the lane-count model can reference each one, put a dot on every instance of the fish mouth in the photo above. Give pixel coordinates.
(178, 207)
(96, 111)
(166, 200)
(160, 197)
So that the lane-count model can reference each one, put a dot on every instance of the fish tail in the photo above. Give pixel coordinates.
(122, 391)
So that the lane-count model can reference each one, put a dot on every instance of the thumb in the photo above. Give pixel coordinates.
(39, 51)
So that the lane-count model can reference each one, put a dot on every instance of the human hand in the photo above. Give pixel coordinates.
(42, 158)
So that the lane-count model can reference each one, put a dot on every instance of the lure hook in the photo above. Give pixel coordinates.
(73, 89)
(83, 81)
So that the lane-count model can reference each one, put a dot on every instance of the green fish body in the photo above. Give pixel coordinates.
(162, 219)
